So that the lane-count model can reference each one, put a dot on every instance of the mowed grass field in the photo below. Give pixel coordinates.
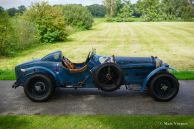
(173, 42)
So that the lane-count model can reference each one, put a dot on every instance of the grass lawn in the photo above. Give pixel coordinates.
(96, 122)
(173, 42)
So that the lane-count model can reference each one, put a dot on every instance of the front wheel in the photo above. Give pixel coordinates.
(164, 87)
(39, 88)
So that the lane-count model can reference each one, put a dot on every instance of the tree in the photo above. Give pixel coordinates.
(5, 28)
(187, 12)
(110, 7)
(139, 7)
(149, 9)
(97, 10)
(49, 22)
(77, 16)
(21, 8)
(1, 9)
(126, 10)
(134, 11)
(12, 11)
(173, 9)
(119, 6)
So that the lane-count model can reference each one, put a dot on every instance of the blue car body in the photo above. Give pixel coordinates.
(136, 70)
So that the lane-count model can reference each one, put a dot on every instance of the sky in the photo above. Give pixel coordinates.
(15, 3)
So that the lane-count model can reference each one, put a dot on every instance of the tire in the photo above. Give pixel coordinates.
(39, 88)
(108, 77)
(163, 87)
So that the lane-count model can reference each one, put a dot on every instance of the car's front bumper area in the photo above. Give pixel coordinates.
(15, 85)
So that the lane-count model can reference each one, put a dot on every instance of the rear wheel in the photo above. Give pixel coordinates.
(39, 88)
(108, 77)
(163, 87)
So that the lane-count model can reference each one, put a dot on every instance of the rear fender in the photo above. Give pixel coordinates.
(150, 75)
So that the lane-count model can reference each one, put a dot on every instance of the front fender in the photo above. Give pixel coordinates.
(150, 75)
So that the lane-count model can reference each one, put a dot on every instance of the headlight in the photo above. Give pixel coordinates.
(23, 70)
(158, 62)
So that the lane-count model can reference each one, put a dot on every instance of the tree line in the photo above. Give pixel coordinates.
(150, 10)
(22, 28)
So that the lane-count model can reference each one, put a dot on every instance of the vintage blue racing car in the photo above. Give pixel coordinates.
(40, 77)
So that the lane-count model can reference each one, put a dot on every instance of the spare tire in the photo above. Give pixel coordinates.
(108, 77)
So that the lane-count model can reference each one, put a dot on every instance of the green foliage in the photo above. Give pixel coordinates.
(154, 10)
(111, 7)
(21, 8)
(135, 12)
(122, 10)
(119, 6)
(138, 8)
(77, 16)
(169, 9)
(49, 22)
(1, 9)
(97, 10)
(150, 9)
(126, 11)
(119, 19)
(5, 28)
(12, 11)
(187, 12)
(173, 9)
(40, 23)
(15, 34)
(24, 34)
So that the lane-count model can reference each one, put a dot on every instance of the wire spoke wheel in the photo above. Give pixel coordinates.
(39, 88)
(108, 77)
(164, 86)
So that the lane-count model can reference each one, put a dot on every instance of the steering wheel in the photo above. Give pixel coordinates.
(88, 57)
(90, 54)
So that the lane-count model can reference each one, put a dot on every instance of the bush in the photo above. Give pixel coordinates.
(109, 19)
(49, 22)
(15, 34)
(5, 28)
(97, 10)
(77, 16)
(187, 12)
(151, 16)
(119, 19)
(24, 34)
